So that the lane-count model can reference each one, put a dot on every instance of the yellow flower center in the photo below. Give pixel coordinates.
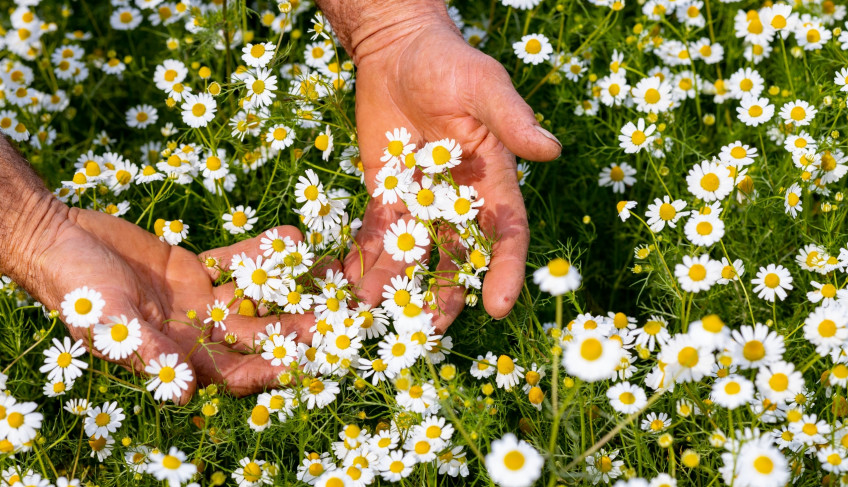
(514, 460)
(591, 349)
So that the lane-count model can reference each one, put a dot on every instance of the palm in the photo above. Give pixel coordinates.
(141, 277)
(437, 86)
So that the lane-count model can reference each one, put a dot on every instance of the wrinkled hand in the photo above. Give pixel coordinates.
(141, 277)
(432, 82)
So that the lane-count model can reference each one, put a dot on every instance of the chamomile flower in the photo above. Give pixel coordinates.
(258, 55)
(754, 111)
(709, 181)
(259, 279)
(61, 362)
(125, 18)
(21, 423)
(513, 463)
(746, 81)
(319, 392)
(119, 339)
(174, 232)
(732, 391)
(55, 388)
(251, 473)
(827, 328)
(533, 48)
(652, 95)
(618, 176)
(399, 351)
(696, 274)
(398, 148)
(841, 79)
(104, 420)
(392, 184)
(142, 116)
(459, 206)
(83, 307)
(626, 398)
(172, 467)
(592, 357)
(508, 373)
(686, 359)
(827, 293)
(217, 313)
(324, 143)
(280, 136)
(406, 241)
(623, 209)
(280, 350)
(558, 277)
(170, 378)
(779, 382)
(239, 219)
(798, 113)
(665, 211)
(654, 333)
(420, 199)
(656, 422)
(704, 230)
(436, 157)
(792, 203)
(772, 281)
(635, 137)
(759, 463)
(198, 110)
(260, 88)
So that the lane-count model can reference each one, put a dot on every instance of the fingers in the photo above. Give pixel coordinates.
(242, 374)
(369, 241)
(223, 255)
(497, 105)
(505, 218)
(246, 329)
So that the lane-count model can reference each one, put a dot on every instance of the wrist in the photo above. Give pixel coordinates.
(372, 26)
(28, 233)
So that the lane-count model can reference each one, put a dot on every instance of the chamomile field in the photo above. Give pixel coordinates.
(683, 319)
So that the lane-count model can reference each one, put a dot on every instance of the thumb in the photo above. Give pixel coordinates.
(505, 113)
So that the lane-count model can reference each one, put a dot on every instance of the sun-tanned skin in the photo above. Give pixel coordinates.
(414, 70)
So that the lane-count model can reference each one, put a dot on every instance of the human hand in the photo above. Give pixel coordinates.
(419, 73)
(144, 278)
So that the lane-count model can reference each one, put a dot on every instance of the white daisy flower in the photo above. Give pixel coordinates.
(533, 48)
(406, 241)
(696, 274)
(240, 219)
(169, 377)
(709, 181)
(258, 55)
(119, 339)
(635, 137)
(558, 277)
(513, 462)
(436, 157)
(83, 307)
(61, 361)
(104, 420)
(772, 281)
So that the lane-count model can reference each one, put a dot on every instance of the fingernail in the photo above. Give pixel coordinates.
(547, 134)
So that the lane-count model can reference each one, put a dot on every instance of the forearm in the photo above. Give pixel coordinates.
(28, 216)
(363, 26)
